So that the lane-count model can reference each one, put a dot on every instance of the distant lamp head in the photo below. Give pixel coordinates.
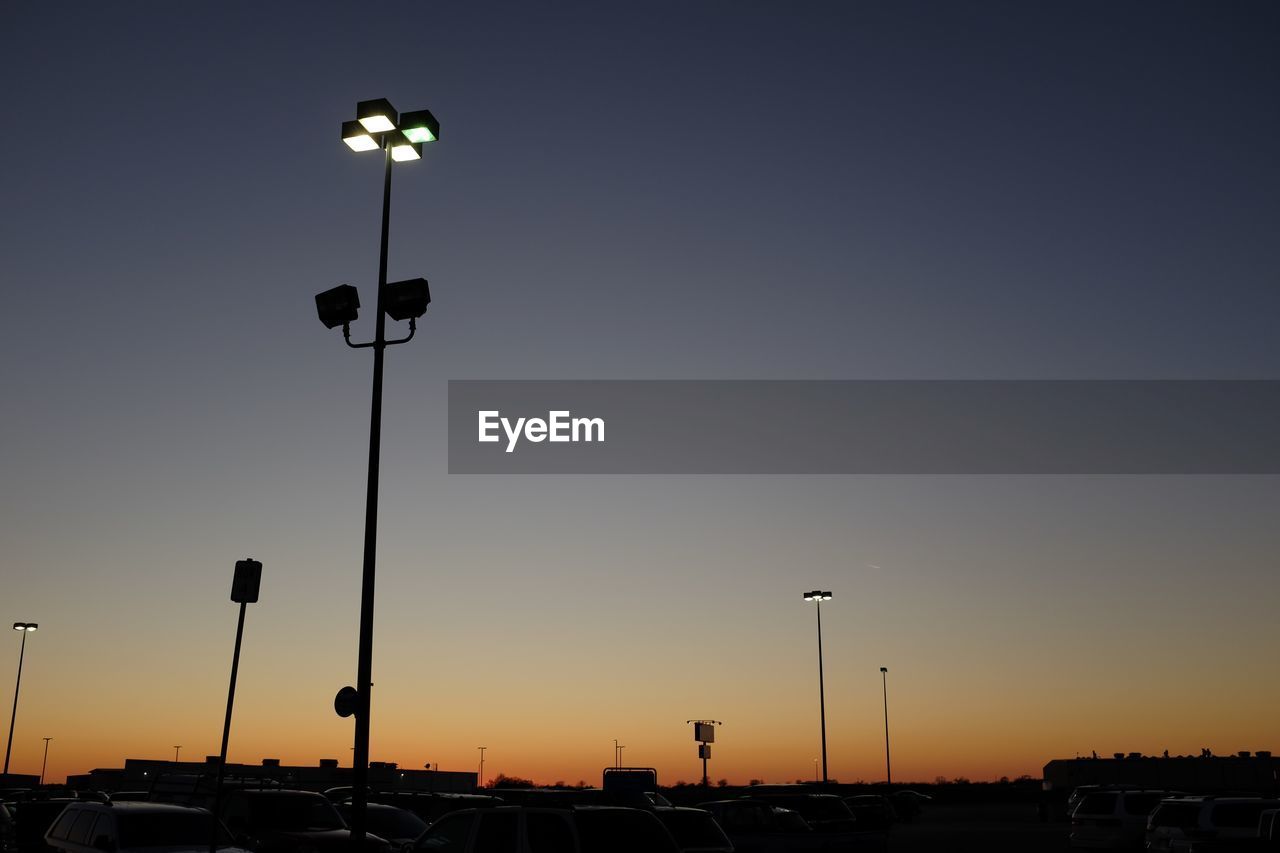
(357, 138)
(817, 595)
(420, 126)
(338, 306)
(25, 626)
(377, 116)
(406, 300)
(403, 149)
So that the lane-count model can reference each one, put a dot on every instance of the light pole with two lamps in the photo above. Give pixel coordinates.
(400, 137)
(25, 628)
(818, 596)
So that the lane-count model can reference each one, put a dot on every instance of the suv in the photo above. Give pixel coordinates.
(1176, 823)
(520, 829)
(134, 828)
(1113, 819)
(276, 820)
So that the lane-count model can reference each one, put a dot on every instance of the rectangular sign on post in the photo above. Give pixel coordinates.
(704, 750)
(704, 732)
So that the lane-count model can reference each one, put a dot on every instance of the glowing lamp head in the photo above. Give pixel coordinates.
(377, 116)
(357, 138)
(420, 126)
(25, 626)
(817, 595)
(403, 149)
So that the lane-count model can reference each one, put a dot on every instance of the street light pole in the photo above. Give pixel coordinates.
(45, 763)
(245, 586)
(400, 137)
(817, 597)
(884, 683)
(25, 628)
(176, 750)
(481, 779)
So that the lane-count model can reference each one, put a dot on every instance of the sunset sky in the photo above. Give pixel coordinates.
(645, 190)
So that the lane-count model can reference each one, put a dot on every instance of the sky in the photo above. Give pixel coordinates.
(648, 190)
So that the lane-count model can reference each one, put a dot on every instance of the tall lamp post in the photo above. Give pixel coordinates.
(400, 137)
(245, 584)
(45, 763)
(25, 628)
(482, 749)
(818, 596)
(884, 683)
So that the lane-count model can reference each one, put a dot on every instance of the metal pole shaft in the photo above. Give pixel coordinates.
(226, 730)
(14, 718)
(45, 763)
(822, 699)
(364, 676)
(705, 781)
(888, 774)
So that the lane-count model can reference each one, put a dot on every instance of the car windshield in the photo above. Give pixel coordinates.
(395, 823)
(168, 829)
(693, 829)
(1179, 815)
(287, 813)
(1097, 804)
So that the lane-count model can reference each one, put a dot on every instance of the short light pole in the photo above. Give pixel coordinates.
(25, 628)
(481, 777)
(884, 683)
(176, 750)
(400, 136)
(818, 596)
(244, 591)
(45, 763)
(617, 753)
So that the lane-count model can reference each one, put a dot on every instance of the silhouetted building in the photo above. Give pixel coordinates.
(1202, 774)
(140, 774)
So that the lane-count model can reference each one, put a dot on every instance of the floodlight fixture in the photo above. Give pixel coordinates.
(403, 149)
(25, 626)
(338, 306)
(377, 116)
(357, 138)
(817, 595)
(420, 126)
(406, 300)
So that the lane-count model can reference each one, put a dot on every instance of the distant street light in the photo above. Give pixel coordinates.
(377, 125)
(25, 628)
(176, 750)
(481, 779)
(884, 683)
(818, 596)
(245, 585)
(44, 764)
(617, 753)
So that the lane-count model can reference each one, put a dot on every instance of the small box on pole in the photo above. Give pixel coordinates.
(704, 732)
(704, 750)
(248, 577)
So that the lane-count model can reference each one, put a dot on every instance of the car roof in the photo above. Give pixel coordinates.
(135, 806)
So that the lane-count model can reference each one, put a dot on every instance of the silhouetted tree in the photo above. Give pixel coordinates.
(502, 780)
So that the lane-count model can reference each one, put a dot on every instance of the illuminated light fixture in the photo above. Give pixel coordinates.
(376, 116)
(338, 306)
(406, 300)
(420, 126)
(25, 626)
(357, 138)
(402, 149)
(817, 595)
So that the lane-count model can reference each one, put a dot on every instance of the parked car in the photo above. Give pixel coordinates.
(1106, 819)
(400, 827)
(1177, 822)
(277, 820)
(525, 829)
(872, 811)
(755, 826)
(135, 828)
(430, 807)
(694, 830)
(823, 812)
(32, 819)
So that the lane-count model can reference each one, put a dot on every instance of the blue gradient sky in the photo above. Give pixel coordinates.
(646, 190)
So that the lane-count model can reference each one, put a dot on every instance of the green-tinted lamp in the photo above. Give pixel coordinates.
(406, 300)
(420, 126)
(377, 116)
(357, 138)
(403, 149)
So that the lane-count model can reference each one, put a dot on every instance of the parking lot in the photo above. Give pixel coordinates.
(981, 828)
